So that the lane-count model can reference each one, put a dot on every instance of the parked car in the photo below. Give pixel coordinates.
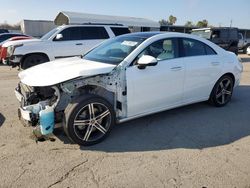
(248, 50)
(226, 37)
(6, 36)
(3, 48)
(63, 41)
(244, 41)
(4, 31)
(124, 78)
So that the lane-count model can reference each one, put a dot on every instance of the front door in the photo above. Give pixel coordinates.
(156, 87)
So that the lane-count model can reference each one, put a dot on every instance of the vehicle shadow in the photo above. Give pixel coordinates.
(195, 126)
(2, 119)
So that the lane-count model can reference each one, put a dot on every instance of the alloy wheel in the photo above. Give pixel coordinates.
(92, 122)
(224, 91)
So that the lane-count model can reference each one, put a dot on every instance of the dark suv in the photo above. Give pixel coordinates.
(225, 37)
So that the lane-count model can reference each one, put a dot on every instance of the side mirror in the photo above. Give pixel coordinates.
(146, 60)
(59, 36)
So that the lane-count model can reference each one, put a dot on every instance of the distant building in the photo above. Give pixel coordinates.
(177, 28)
(36, 28)
(135, 24)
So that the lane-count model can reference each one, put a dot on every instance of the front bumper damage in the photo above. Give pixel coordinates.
(15, 60)
(40, 115)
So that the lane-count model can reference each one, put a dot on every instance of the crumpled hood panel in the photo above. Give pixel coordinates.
(54, 72)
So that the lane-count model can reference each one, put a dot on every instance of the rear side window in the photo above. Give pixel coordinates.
(91, 33)
(224, 33)
(120, 30)
(191, 47)
(233, 34)
(209, 50)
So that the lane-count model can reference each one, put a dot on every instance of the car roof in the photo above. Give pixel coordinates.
(143, 34)
(92, 25)
(147, 35)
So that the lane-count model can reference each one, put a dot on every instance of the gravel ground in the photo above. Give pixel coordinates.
(193, 146)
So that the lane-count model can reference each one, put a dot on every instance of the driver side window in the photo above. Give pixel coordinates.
(161, 50)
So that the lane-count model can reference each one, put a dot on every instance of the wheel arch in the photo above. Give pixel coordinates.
(227, 73)
(33, 53)
(101, 92)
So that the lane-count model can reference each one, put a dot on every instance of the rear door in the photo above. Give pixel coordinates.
(203, 67)
(91, 36)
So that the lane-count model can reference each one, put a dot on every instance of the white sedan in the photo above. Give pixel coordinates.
(124, 78)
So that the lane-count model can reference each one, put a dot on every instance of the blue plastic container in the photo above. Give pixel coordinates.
(47, 120)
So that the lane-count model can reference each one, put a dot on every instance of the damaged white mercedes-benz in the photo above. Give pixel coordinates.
(124, 78)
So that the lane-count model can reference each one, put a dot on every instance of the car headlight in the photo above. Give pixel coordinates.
(11, 49)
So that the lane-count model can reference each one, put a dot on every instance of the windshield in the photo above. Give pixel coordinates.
(203, 33)
(114, 51)
(49, 34)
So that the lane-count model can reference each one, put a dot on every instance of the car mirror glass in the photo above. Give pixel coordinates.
(146, 60)
(59, 36)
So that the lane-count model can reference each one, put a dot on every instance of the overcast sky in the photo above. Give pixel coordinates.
(217, 12)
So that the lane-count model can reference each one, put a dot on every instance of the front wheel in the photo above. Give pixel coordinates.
(33, 60)
(222, 91)
(88, 120)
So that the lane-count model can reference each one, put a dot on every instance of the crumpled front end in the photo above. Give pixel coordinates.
(38, 106)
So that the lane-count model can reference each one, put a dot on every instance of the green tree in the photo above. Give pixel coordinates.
(172, 20)
(189, 24)
(203, 23)
(163, 22)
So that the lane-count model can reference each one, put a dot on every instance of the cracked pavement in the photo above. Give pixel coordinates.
(193, 146)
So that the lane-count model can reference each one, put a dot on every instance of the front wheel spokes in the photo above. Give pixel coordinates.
(102, 115)
(100, 127)
(91, 111)
(88, 132)
(81, 122)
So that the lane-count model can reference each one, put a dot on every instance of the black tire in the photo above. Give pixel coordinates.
(222, 91)
(91, 130)
(32, 60)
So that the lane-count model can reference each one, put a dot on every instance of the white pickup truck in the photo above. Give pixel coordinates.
(63, 41)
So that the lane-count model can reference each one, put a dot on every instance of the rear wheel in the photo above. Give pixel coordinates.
(222, 91)
(88, 120)
(32, 60)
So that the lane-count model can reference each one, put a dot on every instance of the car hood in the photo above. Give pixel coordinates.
(58, 71)
(18, 42)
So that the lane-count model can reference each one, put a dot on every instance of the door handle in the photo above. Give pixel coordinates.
(215, 63)
(176, 68)
(78, 44)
